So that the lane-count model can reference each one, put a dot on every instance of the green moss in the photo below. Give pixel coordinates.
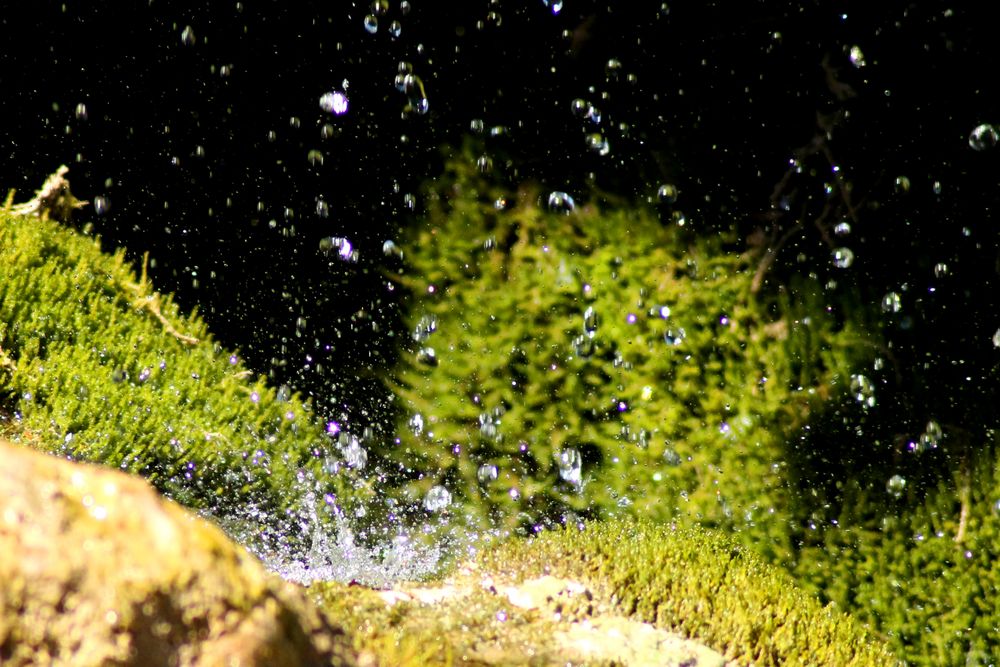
(608, 336)
(697, 583)
(96, 366)
(924, 576)
(702, 584)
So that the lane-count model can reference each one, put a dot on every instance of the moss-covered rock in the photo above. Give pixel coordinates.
(613, 593)
(97, 366)
(97, 569)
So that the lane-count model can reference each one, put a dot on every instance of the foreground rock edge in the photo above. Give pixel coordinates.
(97, 569)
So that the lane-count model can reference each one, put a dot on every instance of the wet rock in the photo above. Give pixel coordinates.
(97, 569)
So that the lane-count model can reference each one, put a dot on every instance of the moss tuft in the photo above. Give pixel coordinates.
(701, 584)
(96, 366)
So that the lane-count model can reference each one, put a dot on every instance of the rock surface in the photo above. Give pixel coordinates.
(97, 569)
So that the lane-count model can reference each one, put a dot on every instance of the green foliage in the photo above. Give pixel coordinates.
(702, 584)
(96, 366)
(607, 335)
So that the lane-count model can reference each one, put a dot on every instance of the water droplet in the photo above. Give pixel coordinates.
(996, 338)
(334, 102)
(413, 88)
(896, 485)
(354, 454)
(597, 143)
(560, 202)
(390, 249)
(863, 390)
(613, 69)
(426, 356)
(380, 7)
(101, 205)
(580, 107)
(843, 258)
(81, 111)
(485, 164)
(842, 228)
(416, 424)
(671, 457)
(930, 438)
(663, 312)
(857, 57)
(477, 125)
(315, 158)
(584, 346)
(487, 473)
(322, 209)
(902, 184)
(590, 321)
(371, 24)
(555, 6)
(404, 7)
(488, 427)
(674, 336)
(983, 137)
(941, 270)
(892, 303)
(667, 193)
(437, 499)
(571, 466)
(395, 29)
(425, 327)
(340, 247)
(187, 36)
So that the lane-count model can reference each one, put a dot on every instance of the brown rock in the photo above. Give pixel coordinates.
(97, 569)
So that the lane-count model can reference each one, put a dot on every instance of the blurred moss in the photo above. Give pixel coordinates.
(921, 568)
(604, 337)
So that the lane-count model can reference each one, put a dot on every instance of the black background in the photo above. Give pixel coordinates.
(714, 97)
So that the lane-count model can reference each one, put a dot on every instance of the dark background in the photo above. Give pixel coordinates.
(201, 151)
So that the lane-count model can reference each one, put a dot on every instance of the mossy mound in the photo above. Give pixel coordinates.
(96, 366)
(602, 362)
(520, 601)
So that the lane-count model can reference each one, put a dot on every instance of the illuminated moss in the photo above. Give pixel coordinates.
(96, 366)
(697, 583)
